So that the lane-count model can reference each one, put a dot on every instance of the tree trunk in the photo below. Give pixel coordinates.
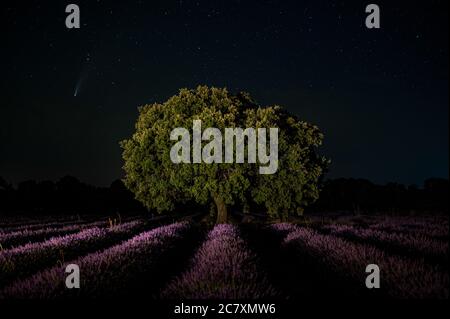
(222, 217)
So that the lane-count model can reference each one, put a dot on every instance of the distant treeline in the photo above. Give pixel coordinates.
(363, 196)
(70, 196)
(66, 196)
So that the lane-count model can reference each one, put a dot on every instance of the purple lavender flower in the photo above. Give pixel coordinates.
(403, 242)
(24, 260)
(402, 278)
(223, 268)
(103, 272)
(437, 228)
(26, 235)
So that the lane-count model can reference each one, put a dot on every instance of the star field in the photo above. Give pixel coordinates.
(380, 96)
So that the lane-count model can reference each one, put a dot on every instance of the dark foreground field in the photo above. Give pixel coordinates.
(140, 258)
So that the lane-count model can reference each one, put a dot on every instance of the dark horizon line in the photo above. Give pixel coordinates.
(419, 186)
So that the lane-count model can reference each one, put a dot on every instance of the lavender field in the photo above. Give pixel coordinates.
(137, 257)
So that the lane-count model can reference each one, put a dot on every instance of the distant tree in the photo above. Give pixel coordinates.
(4, 185)
(159, 183)
(71, 193)
(27, 191)
(121, 199)
(6, 194)
(436, 191)
(438, 185)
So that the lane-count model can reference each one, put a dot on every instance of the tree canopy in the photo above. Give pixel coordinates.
(159, 183)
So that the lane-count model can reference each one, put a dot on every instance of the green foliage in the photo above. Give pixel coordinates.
(159, 184)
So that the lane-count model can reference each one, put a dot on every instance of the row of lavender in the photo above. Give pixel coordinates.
(409, 244)
(223, 268)
(40, 225)
(402, 277)
(57, 223)
(10, 239)
(105, 272)
(24, 260)
(436, 227)
(20, 221)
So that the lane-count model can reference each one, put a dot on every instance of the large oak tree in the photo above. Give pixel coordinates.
(159, 183)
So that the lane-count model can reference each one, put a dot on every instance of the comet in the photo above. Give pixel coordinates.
(76, 89)
(83, 76)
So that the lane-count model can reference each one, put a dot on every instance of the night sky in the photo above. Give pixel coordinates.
(380, 96)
